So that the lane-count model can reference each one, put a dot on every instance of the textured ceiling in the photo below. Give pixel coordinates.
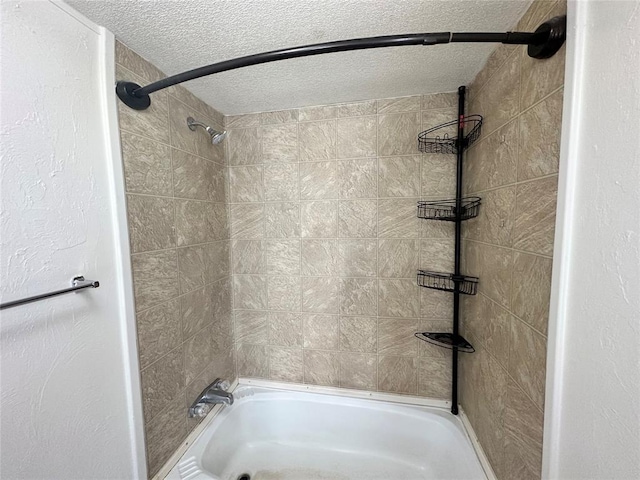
(181, 35)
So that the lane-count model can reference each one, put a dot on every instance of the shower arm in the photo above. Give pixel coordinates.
(543, 43)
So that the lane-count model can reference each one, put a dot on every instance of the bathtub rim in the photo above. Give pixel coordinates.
(462, 418)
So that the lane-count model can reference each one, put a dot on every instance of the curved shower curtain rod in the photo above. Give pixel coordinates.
(543, 43)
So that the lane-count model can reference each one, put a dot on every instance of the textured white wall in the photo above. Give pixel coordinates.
(592, 422)
(68, 402)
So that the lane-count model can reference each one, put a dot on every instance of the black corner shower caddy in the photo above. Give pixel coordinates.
(439, 140)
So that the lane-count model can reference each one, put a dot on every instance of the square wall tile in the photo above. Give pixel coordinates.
(164, 433)
(320, 219)
(357, 219)
(279, 116)
(161, 383)
(194, 312)
(435, 304)
(397, 374)
(434, 377)
(242, 121)
(321, 368)
(398, 297)
(246, 184)
(354, 109)
(281, 182)
(397, 218)
(398, 134)
(195, 267)
(531, 289)
(438, 176)
(357, 258)
(439, 101)
(159, 331)
(192, 222)
(319, 257)
(320, 294)
(151, 223)
(250, 292)
(357, 178)
(147, 165)
(284, 293)
(198, 353)
(253, 361)
(247, 221)
(320, 332)
(399, 104)
(359, 371)
(359, 334)
(195, 177)
(318, 180)
(280, 143)
(251, 327)
(357, 137)
(358, 296)
(437, 254)
(285, 329)
(399, 176)
(496, 266)
(539, 141)
(396, 336)
(248, 256)
(283, 257)
(318, 141)
(286, 364)
(535, 215)
(493, 161)
(155, 278)
(527, 361)
(523, 425)
(244, 146)
(398, 258)
(321, 112)
(282, 220)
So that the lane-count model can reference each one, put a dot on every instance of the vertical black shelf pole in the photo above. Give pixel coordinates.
(458, 243)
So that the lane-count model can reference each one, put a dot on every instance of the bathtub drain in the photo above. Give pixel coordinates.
(244, 476)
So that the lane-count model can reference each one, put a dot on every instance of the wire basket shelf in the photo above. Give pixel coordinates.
(447, 210)
(447, 340)
(437, 140)
(448, 281)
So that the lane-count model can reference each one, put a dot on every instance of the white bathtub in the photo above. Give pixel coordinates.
(278, 434)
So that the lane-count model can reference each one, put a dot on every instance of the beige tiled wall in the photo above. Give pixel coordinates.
(326, 244)
(514, 168)
(179, 235)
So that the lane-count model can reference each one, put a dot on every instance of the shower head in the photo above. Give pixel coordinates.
(216, 136)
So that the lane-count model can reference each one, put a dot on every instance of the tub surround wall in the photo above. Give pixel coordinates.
(509, 246)
(179, 234)
(326, 244)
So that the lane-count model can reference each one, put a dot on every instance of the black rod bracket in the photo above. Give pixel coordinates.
(543, 43)
(126, 92)
(556, 30)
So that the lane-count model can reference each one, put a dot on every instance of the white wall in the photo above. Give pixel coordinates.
(592, 422)
(70, 402)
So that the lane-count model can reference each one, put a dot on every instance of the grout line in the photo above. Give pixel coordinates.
(173, 197)
(515, 250)
(173, 147)
(518, 115)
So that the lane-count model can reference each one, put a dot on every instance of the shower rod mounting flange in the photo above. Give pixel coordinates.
(126, 93)
(556, 29)
(543, 43)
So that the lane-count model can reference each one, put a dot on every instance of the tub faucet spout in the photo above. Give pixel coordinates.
(212, 395)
